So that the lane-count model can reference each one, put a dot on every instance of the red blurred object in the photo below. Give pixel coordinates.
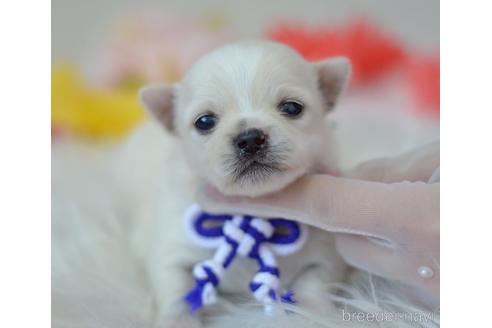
(424, 77)
(370, 50)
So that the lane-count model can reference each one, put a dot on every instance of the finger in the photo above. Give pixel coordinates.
(338, 204)
(417, 165)
(390, 262)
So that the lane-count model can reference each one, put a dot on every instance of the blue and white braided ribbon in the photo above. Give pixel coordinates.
(246, 236)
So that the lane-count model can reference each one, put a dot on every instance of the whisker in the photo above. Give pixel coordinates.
(248, 171)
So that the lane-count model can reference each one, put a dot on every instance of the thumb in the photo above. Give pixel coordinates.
(416, 165)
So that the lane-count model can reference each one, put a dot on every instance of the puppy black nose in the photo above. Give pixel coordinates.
(251, 141)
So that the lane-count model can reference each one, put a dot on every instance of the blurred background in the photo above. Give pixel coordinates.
(102, 51)
(76, 25)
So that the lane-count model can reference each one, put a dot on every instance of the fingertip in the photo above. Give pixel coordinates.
(212, 193)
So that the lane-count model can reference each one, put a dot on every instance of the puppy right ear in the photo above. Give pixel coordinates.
(158, 101)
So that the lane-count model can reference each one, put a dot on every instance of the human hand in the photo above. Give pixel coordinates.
(384, 225)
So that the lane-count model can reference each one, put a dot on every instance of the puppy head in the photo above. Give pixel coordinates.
(250, 115)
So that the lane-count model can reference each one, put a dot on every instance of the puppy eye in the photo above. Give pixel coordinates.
(206, 122)
(291, 109)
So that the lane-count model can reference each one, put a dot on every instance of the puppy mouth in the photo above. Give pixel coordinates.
(256, 169)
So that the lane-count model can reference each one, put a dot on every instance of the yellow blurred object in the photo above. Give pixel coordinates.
(215, 20)
(79, 109)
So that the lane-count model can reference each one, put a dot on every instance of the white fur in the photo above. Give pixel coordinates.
(244, 83)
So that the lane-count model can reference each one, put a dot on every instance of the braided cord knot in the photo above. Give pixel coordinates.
(246, 236)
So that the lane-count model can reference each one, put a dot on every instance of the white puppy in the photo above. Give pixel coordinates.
(249, 119)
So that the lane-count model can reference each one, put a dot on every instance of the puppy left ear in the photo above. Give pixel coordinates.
(333, 76)
(158, 101)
